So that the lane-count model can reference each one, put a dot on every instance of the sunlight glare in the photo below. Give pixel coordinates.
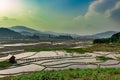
(6, 5)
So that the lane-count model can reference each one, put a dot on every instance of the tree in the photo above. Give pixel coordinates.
(114, 39)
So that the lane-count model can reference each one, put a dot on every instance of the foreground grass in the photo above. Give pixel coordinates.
(5, 64)
(70, 50)
(71, 74)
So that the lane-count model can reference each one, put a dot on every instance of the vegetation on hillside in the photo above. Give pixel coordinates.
(114, 39)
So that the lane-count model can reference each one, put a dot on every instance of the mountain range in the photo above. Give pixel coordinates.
(25, 31)
(106, 34)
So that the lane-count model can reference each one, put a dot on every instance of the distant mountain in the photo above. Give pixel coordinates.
(23, 29)
(105, 34)
(5, 32)
(30, 32)
(59, 34)
(26, 33)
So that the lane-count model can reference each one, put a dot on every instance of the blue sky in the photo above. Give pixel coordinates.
(63, 6)
(65, 16)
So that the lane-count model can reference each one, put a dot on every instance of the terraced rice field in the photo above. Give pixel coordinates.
(57, 60)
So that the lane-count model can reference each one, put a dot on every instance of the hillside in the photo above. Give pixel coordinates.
(5, 32)
(23, 29)
(115, 38)
(105, 34)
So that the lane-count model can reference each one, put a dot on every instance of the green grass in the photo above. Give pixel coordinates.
(105, 47)
(5, 64)
(70, 50)
(102, 58)
(71, 74)
(96, 47)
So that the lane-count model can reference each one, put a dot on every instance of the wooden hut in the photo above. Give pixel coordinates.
(12, 59)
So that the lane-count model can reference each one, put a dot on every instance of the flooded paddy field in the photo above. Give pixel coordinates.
(54, 59)
(16, 48)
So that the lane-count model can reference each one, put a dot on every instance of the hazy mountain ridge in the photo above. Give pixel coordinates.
(30, 32)
(5, 32)
(23, 29)
(105, 34)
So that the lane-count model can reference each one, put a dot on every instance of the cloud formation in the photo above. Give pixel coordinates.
(102, 15)
(115, 12)
(109, 7)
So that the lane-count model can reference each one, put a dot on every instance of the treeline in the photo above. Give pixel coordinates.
(60, 37)
(113, 39)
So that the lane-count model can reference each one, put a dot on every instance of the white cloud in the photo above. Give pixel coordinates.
(107, 8)
(114, 13)
(99, 15)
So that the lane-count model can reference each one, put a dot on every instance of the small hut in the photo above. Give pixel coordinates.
(12, 59)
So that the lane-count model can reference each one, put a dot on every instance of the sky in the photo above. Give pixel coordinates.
(83, 17)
